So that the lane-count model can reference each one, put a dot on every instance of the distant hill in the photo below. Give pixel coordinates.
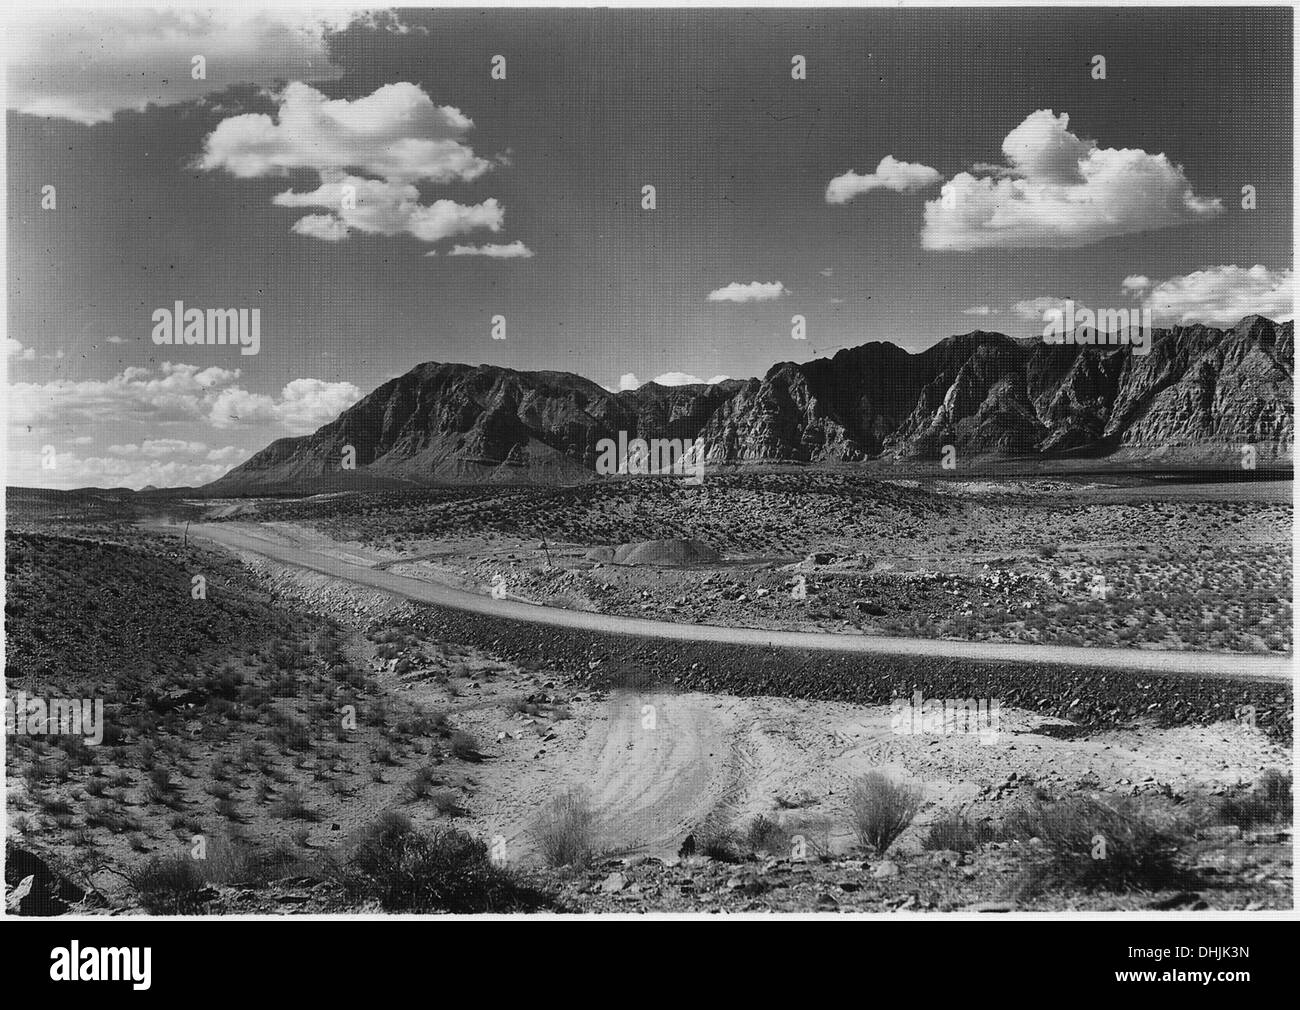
(1196, 398)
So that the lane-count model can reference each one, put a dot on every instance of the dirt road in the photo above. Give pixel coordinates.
(347, 564)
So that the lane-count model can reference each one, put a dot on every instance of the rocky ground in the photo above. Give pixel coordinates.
(1040, 561)
(753, 747)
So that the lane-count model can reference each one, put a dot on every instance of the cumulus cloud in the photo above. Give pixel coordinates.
(395, 133)
(754, 291)
(686, 379)
(1061, 192)
(385, 208)
(325, 227)
(368, 154)
(177, 393)
(15, 349)
(1220, 296)
(512, 250)
(130, 470)
(159, 447)
(302, 406)
(1037, 308)
(891, 174)
(978, 310)
(89, 67)
(629, 381)
(162, 462)
(1134, 284)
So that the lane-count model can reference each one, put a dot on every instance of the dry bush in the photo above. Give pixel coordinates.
(565, 830)
(1116, 843)
(881, 810)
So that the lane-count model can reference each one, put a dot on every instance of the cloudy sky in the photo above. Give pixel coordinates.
(382, 187)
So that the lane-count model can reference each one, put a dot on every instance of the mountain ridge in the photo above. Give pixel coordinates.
(1198, 396)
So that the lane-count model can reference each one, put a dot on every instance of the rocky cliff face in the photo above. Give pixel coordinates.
(1200, 395)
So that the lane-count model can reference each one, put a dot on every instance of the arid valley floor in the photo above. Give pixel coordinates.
(317, 733)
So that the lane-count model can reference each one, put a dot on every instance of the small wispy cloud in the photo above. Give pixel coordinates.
(754, 291)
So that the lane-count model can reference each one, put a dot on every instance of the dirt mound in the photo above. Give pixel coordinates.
(657, 552)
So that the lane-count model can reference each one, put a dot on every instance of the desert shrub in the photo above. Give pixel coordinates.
(106, 814)
(881, 810)
(1089, 843)
(292, 806)
(446, 801)
(419, 785)
(565, 829)
(766, 835)
(521, 706)
(219, 790)
(955, 831)
(465, 747)
(406, 870)
(718, 839)
(96, 785)
(170, 886)
(1267, 803)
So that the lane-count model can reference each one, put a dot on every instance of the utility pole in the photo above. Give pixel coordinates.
(185, 540)
(548, 553)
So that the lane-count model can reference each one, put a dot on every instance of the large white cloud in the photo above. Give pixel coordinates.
(90, 65)
(396, 133)
(754, 291)
(891, 174)
(302, 406)
(176, 393)
(1061, 192)
(369, 153)
(1219, 296)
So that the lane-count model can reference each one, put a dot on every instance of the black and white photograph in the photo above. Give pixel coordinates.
(629, 463)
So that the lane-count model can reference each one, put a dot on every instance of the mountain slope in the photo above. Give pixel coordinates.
(1199, 395)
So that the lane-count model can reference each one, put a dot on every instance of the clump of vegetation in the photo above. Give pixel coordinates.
(170, 886)
(955, 831)
(565, 830)
(465, 747)
(716, 838)
(292, 806)
(881, 810)
(407, 870)
(1268, 803)
(1089, 843)
(765, 835)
